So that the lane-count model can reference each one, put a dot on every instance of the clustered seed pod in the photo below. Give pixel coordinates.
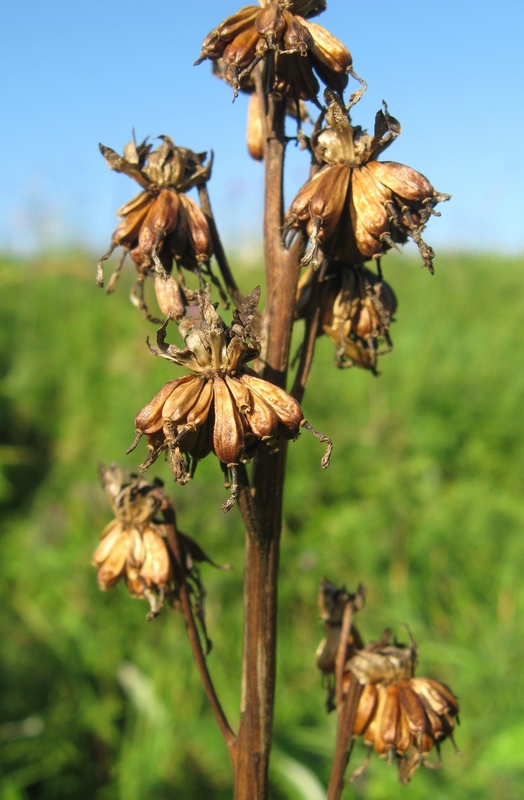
(356, 310)
(356, 208)
(292, 48)
(161, 225)
(400, 716)
(135, 548)
(223, 407)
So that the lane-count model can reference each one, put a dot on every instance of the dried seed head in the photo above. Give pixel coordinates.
(222, 407)
(279, 35)
(399, 715)
(161, 225)
(136, 546)
(377, 206)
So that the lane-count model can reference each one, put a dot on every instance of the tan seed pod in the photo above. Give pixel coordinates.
(261, 418)
(182, 399)
(367, 706)
(405, 738)
(390, 718)
(430, 691)
(149, 419)
(198, 229)
(367, 203)
(241, 52)
(254, 135)
(296, 38)
(128, 230)
(328, 49)
(270, 24)
(228, 434)
(403, 181)
(240, 394)
(156, 567)
(141, 201)
(412, 708)
(327, 202)
(237, 22)
(199, 412)
(169, 296)
(285, 407)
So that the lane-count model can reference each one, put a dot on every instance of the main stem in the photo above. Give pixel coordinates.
(261, 503)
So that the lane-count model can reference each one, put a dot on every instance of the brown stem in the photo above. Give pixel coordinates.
(347, 713)
(220, 255)
(261, 505)
(194, 638)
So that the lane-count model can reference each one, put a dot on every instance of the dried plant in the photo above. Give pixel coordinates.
(351, 210)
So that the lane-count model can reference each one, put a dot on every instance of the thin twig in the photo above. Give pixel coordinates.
(223, 264)
(192, 631)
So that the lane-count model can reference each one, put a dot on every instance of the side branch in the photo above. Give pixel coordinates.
(194, 638)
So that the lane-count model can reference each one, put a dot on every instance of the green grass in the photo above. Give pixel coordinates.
(422, 503)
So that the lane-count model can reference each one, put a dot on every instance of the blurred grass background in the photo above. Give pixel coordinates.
(422, 502)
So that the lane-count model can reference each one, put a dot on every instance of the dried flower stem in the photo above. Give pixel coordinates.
(220, 255)
(193, 635)
(346, 713)
(261, 505)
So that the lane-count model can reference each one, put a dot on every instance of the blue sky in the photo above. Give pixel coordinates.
(83, 72)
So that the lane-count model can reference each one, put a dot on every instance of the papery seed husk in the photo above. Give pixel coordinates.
(328, 49)
(198, 228)
(136, 547)
(446, 693)
(241, 51)
(286, 408)
(262, 420)
(389, 722)
(403, 181)
(204, 441)
(240, 393)
(169, 296)
(156, 568)
(412, 708)
(161, 219)
(405, 738)
(372, 735)
(113, 567)
(199, 412)
(140, 202)
(328, 199)
(270, 23)
(254, 135)
(228, 434)
(367, 705)
(297, 37)
(110, 536)
(367, 205)
(237, 22)
(128, 230)
(182, 399)
(299, 208)
(430, 690)
(149, 419)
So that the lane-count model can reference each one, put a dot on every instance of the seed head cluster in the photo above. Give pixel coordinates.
(161, 225)
(135, 546)
(294, 50)
(356, 310)
(356, 208)
(222, 407)
(400, 716)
